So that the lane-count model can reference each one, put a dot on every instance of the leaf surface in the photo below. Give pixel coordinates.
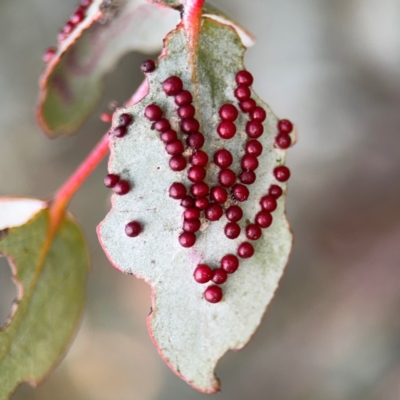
(71, 85)
(190, 333)
(50, 271)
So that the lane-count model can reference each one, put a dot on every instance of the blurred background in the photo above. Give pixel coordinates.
(333, 330)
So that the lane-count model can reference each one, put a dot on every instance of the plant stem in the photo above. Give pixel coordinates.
(75, 181)
(192, 24)
(192, 20)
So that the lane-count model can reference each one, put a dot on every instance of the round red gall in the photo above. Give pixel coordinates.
(282, 173)
(125, 119)
(214, 212)
(169, 136)
(191, 225)
(226, 177)
(199, 189)
(68, 28)
(232, 230)
(230, 263)
(153, 112)
(49, 54)
(133, 229)
(268, 203)
(196, 174)
(187, 239)
(263, 219)
(253, 232)
(187, 202)
(162, 125)
(219, 194)
(203, 273)
(248, 105)
(183, 98)
(186, 111)
(254, 148)
(245, 250)
(244, 78)
(228, 112)
(240, 192)
(258, 114)
(199, 158)
(201, 203)
(122, 187)
(226, 130)
(175, 148)
(234, 213)
(242, 93)
(219, 276)
(275, 191)
(190, 125)
(148, 66)
(283, 141)
(177, 163)
(285, 126)
(111, 180)
(249, 162)
(172, 85)
(213, 294)
(254, 129)
(191, 213)
(247, 177)
(223, 158)
(177, 191)
(78, 16)
(119, 131)
(195, 140)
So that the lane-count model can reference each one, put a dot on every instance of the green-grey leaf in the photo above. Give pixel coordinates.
(72, 82)
(71, 85)
(190, 333)
(50, 273)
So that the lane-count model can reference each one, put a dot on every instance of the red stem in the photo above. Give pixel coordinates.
(192, 19)
(75, 181)
(192, 24)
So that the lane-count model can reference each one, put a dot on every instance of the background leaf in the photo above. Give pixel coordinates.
(72, 82)
(50, 271)
(71, 85)
(190, 333)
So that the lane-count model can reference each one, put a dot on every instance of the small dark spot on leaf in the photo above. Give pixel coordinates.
(153, 261)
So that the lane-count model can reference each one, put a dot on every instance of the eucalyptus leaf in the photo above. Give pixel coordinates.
(50, 270)
(71, 85)
(190, 333)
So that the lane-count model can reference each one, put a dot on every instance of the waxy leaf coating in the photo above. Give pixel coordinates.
(190, 332)
(49, 267)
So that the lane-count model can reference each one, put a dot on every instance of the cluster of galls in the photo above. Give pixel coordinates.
(203, 201)
(77, 17)
(121, 186)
